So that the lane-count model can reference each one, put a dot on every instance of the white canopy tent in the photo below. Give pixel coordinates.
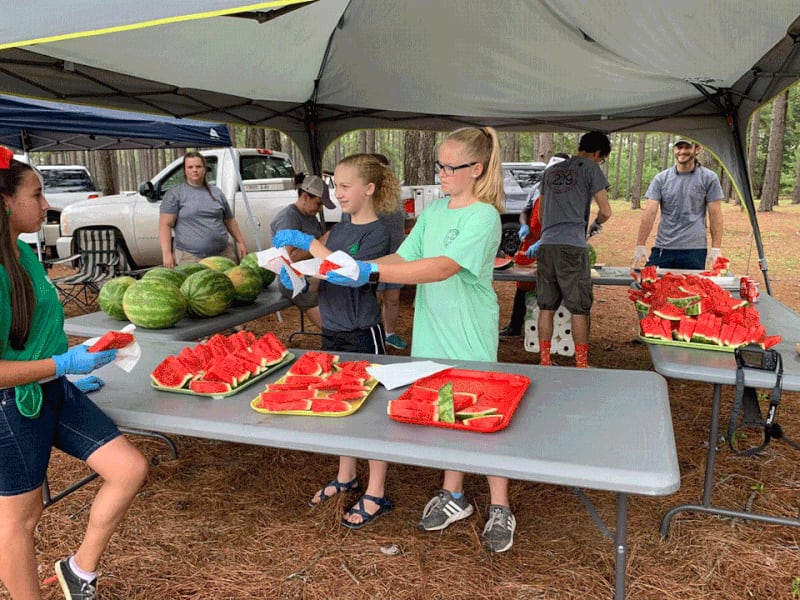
(318, 69)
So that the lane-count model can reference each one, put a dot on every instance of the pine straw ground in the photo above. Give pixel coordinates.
(230, 521)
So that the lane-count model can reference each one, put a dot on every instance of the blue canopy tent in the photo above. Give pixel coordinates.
(42, 126)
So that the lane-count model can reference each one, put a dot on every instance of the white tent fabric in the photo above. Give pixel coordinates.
(691, 67)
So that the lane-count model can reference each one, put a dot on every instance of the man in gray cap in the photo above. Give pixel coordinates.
(685, 193)
(303, 215)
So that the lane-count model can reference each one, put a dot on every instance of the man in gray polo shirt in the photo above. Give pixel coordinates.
(685, 193)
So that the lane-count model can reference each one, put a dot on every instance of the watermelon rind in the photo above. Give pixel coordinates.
(475, 411)
(446, 408)
(171, 373)
(247, 283)
(153, 304)
(217, 263)
(110, 296)
(484, 423)
(208, 293)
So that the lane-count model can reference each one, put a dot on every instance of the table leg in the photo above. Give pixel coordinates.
(620, 541)
(708, 485)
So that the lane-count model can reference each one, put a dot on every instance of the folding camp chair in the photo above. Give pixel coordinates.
(99, 258)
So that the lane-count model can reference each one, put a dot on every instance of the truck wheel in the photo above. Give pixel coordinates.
(509, 240)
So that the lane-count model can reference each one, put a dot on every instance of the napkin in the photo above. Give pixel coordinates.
(400, 374)
(274, 259)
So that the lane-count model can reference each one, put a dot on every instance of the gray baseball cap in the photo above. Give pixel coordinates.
(313, 184)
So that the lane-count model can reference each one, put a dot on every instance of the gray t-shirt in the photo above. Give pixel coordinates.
(567, 191)
(683, 198)
(291, 218)
(395, 224)
(345, 308)
(201, 215)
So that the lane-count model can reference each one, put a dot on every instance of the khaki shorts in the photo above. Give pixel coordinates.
(563, 275)
(182, 257)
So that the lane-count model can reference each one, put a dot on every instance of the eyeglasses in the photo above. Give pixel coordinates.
(451, 169)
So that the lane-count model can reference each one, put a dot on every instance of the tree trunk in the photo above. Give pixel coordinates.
(418, 158)
(617, 163)
(796, 188)
(727, 187)
(545, 147)
(628, 186)
(772, 175)
(636, 196)
(106, 175)
(273, 140)
(752, 150)
(667, 153)
(370, 134)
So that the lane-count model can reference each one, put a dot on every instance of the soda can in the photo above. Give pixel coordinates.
(744, 287)
(753, 293)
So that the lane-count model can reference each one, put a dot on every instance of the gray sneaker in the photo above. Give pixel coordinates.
(498, 533)
(442, 510)
(74, 587)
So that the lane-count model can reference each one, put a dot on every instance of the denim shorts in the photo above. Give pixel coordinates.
(68, 421)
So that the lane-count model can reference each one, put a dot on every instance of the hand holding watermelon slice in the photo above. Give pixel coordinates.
(112, 340)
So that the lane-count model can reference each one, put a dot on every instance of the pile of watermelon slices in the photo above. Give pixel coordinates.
(689, 308)
(318, 384)
(220, 365)
(426, 406)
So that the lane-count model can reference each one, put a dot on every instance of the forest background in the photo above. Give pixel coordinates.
(773, 153)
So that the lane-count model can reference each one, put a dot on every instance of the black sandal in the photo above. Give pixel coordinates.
(384, 506)
(348, 486)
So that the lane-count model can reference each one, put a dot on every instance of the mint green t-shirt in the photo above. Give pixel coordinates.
(456, 318)
(46, 336)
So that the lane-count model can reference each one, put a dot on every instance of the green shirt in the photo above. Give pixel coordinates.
(46, 336)
(456, 318)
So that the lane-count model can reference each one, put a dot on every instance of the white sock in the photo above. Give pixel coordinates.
(85, 575)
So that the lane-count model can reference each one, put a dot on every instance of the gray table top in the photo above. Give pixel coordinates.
(188, 328)
(714, 366)
(600, 276)
(600, 429)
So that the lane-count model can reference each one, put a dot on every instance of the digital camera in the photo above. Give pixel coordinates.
(754, 356)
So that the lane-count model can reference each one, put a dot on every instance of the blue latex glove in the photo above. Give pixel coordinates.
(92, 383)
(364, 270)
(531, 252)
(79, 361)
(524, 230)
(287, 283)
(292, 237)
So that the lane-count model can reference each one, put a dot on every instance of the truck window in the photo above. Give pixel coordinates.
(58, 181)
(264, 166)
(176, 177)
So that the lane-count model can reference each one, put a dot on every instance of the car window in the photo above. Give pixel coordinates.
(260, 166)
(176, 177)
(67, 180)
(520, 178)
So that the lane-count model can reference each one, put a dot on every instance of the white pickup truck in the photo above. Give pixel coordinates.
(266, 176)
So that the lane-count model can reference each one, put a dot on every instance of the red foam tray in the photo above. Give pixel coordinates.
(503, 390)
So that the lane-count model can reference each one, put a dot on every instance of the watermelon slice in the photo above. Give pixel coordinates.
(190, 360)
(346, 396)
(328, 405)
(306, 365)
(412, 411)
(112, 340)
(201, 386)
(462, 400)
(356, 368)
(484, 423)
(286, 396)
(328, 265)
(170, 373)
(277, 407)
(502, 262)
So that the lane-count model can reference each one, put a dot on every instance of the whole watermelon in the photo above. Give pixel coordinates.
(251, 260)
(218, 263)
(208, 293)
(176, 278)
(189, 268)
(110, 297)
(592, 256)
(246, 283)
(153, 304)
